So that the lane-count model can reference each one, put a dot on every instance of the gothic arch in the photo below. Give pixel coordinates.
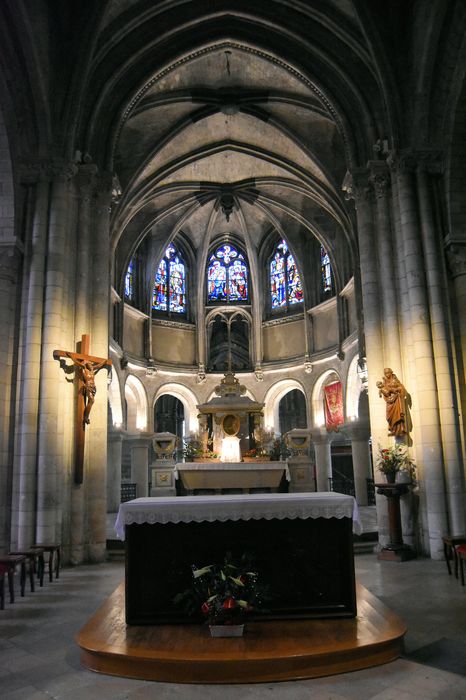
(187, 398)
(114, 399)
(272, 401)
(136, 400)
(353, 390)
(318, 396)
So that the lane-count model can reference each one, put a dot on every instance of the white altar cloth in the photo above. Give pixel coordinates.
(259, 506)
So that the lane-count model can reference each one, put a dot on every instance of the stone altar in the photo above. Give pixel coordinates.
(302, 544)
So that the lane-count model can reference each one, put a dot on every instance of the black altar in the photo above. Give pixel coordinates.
(307, 563)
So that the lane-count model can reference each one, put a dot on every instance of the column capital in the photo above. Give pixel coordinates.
(357, 185)
(408, 160)
(456, 257)
(320, 436)
(356, 432)
(379, 178)
(33, 170)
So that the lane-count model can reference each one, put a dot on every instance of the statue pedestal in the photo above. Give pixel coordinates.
(163, 478)
(396, 549)
(302, 479)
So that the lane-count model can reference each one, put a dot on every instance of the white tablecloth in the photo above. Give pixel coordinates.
(268, 506)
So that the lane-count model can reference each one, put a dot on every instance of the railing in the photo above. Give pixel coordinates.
(341, 484)
(128, 492)
(370, 492)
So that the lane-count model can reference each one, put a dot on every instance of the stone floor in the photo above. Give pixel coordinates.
(39, 659)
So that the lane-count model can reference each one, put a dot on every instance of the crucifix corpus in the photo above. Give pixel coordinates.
(87, 367)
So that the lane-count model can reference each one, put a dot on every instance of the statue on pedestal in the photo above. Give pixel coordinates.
(394, 394)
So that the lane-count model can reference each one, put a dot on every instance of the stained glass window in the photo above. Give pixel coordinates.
(326, 275)
(285, 282)
(129, 281)
(170, 283)
(227, 275)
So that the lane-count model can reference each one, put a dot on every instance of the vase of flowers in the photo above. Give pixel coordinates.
(393, 460)
(225, 594)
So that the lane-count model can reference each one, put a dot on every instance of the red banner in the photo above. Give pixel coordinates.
(333, 406)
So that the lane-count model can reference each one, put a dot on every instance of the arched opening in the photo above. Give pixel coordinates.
(292, 411)
(169, 416)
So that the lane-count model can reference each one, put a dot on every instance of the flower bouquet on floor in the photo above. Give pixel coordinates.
(391, 460)
(226, 594)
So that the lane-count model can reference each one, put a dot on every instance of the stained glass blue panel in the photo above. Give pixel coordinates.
(177, 286)
(226, 253)
(295, 291)
(216, 281)
(159, 297)
(129, 281)
(278, 281)
(237, 280)
(326, 272)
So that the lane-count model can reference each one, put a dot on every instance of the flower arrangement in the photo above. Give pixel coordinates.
(391, 460)
(224, 593)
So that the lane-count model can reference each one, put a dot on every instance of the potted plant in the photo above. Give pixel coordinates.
(225, 594)
(392, 460)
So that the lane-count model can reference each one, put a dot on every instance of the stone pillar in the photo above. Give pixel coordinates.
(25, 467)
(50, 438)
(96, 487)
(456, 256)
(114, 451)
(428, 438)
(380, 178)
(140, 467)
(449, 425)
(359, 436)
(84, 182)
(323, 461)
(10, 261)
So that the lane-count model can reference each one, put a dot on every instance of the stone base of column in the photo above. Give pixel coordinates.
(401, 553)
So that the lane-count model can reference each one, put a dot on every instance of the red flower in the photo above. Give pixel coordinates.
(205, 607)
(229, 603)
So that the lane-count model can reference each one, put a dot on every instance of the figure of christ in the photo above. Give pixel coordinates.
(88, 368)
(394, 394)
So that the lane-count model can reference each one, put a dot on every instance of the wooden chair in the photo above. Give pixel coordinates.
(35, 559)
(450, 543)
(53, 551)
(461, 557)
(3, 571)
(10, 562)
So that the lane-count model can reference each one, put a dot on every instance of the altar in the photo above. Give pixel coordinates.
(218, 476)
(301, 543)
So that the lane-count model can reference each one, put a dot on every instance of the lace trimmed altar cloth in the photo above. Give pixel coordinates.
(266, 506)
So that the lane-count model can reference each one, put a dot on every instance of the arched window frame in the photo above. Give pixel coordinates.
(164, 293)
(327, 284)
(228, 258)
(287, 301)
(129, 290)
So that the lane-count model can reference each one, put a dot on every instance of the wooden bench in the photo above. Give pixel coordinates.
(36, 564)
(450, 542)
(53, 551)
(10, 562)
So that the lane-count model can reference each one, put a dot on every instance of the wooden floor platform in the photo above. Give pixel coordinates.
(269, 651)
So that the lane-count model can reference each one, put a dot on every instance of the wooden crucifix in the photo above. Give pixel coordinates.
(86, 367)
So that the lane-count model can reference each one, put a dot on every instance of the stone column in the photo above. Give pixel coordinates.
(359, 187)
(114, 452)
(10, 262)
(359, 436)
(441, 341)
(85, 182)
(140, 468)
(25, 466)
(50, 442)
(428, 439)
(456, 256)
(96, 488)
(323, 460)
(380, 178)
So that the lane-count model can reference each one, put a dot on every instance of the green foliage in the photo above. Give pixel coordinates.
(394, 459)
